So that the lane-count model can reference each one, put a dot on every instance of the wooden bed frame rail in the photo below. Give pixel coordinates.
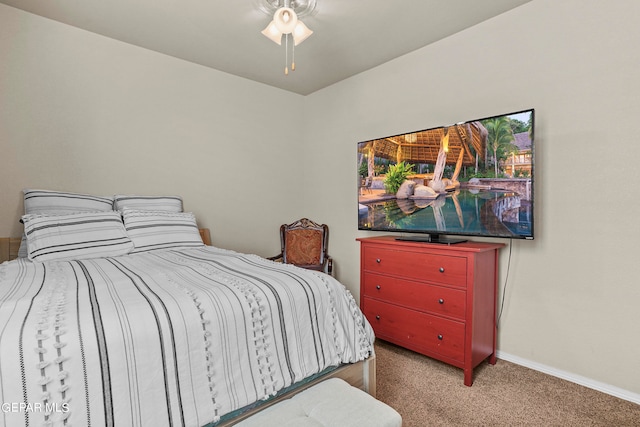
(9, 248)
(206, 236)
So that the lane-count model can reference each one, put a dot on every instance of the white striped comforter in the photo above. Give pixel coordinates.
(172, 337)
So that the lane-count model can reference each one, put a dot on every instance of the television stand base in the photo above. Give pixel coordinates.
(432, 238)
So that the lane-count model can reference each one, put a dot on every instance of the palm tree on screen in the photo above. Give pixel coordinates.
(499, 139)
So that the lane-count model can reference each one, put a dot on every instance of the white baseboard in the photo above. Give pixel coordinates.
(583, 381)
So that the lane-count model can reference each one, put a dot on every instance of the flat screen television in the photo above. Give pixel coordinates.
(443, 184)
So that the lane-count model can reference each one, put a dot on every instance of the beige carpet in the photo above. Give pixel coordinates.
(430, 393)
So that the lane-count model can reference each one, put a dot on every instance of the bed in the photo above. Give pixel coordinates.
(189, 335)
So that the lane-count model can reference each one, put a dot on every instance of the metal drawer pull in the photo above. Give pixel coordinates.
(378, 260)
(441, 269)
(440, 301)
(378, 287)
(377, 317)
(440, 337)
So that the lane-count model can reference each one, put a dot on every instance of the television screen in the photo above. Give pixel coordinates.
(472, 178)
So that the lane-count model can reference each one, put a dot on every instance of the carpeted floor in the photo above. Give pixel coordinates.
(427, 392)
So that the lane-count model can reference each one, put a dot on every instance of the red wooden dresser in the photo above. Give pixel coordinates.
(438, 300)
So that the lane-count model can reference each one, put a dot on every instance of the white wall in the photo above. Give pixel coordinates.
(81, 112)
(85, 113)
(573, 293)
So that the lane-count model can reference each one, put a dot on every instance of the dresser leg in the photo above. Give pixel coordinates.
(493, 359)
(468, 377)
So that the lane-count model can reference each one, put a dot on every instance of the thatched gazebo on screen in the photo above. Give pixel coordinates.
(466, 141)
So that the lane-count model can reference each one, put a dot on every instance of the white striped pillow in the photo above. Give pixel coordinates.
(148, 203)
(76, 236)
(151, 230)
(60, 202)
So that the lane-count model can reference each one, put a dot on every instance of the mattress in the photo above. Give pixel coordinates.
(167, 337)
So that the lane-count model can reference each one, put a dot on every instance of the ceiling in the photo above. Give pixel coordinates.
(350, 36)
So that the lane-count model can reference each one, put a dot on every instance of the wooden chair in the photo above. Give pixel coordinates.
(365, 185)
(304, 243)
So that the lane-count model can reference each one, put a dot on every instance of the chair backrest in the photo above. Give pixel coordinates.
(304, 243)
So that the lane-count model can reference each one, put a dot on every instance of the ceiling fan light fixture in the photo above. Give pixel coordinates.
(272, 33)
(300, 33)
(287, 25)
(285, 20)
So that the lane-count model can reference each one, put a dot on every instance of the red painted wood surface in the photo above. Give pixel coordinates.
(438, 300)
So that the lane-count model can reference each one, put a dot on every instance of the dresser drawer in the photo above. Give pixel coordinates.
(420, 296)
(450, 270)
(420, 331)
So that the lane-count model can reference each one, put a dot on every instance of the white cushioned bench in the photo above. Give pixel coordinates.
(331, 403)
